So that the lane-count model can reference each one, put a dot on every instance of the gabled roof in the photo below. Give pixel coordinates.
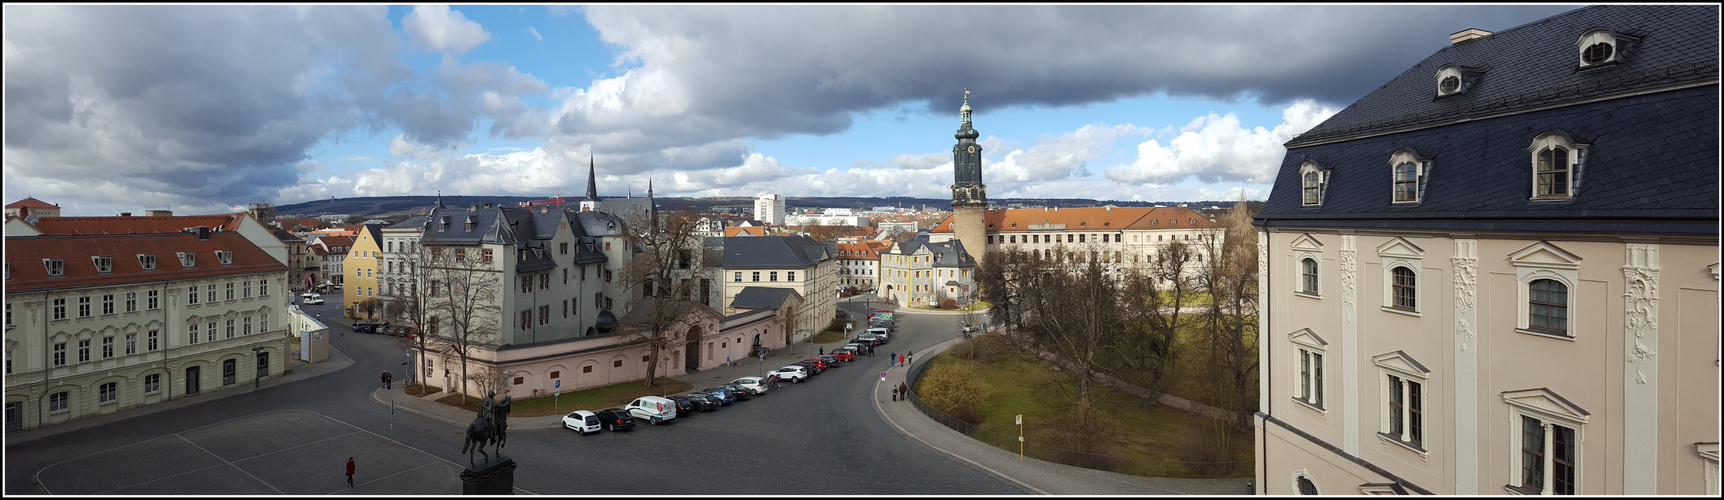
(745, 231)
(1087, 219)
(761, 297)
(1535, 65)
(137, 225)
(860, 251)
(29, 273)
(948, 253)
(286, 236)
(31, 203)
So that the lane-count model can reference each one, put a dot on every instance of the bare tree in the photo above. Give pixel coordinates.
(370, 306)
(462, 301)
(489, 380)
(1075, 310)
(1230, 322)
(409, 302)
(666, 282)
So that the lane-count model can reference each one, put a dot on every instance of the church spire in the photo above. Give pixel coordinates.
(592, 181)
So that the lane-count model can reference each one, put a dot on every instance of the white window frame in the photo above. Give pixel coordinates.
(104, 264)
(1306, 247)
(1307, 343)
(1421, 166)
(1293, 481)
(1576, 160)
(1401, 365)
(1544, 260)
(1451, 70)
(1322, 183)
(1399, 252)
(1549, 408)
(59, 402)
(56, 267)
(147, 260)
(108, 393)
(1709, 453)
(188, 259)
(1595, 36)
(226, 257)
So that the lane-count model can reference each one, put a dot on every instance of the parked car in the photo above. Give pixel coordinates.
(582, 421)
(843, 354)
(755, 385)
(709, 401)
(315, 300)
(866, 339)
(616, 419)
(725, 396)
(812, 367)
(361, 327)
(741, 393)
(307, 294)
(655, 410)
(689, 403)
(793, 373)
(823, 364)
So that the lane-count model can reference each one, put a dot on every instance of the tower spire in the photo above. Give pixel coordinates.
(592, 181)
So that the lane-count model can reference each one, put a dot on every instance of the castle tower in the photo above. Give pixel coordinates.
(969, 195)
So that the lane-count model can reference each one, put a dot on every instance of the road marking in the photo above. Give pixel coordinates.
(230, 464)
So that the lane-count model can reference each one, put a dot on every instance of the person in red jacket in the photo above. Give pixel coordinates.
(349, 471)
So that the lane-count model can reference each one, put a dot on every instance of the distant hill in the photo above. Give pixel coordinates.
(383, 206)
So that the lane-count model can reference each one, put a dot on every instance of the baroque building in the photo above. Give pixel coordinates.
(1534, 215)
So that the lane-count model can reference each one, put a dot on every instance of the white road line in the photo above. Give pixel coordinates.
(230, 464)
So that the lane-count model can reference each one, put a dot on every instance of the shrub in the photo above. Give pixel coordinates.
(948, 303)
(950, 386)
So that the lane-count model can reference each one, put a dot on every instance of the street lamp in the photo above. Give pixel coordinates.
(505, 382)
(256, 378)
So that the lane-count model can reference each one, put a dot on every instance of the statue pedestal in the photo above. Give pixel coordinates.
(494, 478)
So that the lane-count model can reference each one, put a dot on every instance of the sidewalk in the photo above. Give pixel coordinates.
(296, 370)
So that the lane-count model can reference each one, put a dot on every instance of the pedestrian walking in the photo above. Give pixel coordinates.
(891, 359)
(904, 390)
(894, 393)
(910, 358)
(350, 471)
(900, 360)
(388, 380)
(822, 350)
(385, 379)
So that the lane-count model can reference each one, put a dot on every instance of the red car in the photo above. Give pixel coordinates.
(819, 362)
(843, 355)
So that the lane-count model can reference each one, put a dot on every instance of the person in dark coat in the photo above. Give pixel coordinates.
(904, 390)
(350, 471)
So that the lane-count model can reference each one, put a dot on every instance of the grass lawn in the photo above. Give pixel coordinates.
(1149, 433)
(594, 399)
(422, 390)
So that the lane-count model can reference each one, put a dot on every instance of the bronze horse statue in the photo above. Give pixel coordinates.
(490, 427)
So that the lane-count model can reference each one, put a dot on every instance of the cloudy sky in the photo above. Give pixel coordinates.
(200, 109)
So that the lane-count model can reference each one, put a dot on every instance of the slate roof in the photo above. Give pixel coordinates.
(1651, 167)
(286, 237)
(774, 252)
(760, 297)
(948, 253)
(1536, 64)
(29, 273)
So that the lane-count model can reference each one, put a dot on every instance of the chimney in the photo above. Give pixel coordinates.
(203, 233)
(487, 205)
(125, 214)
(1467, 34)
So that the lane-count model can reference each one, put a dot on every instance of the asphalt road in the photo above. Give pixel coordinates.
(820, 437)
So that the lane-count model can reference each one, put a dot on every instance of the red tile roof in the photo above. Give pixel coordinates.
(30, 273)
(860, 251)
(69, 226)
(1089, 219)
(31, 203)
(739, 230)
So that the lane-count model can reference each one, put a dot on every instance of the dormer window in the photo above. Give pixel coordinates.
(225, 257)
(1409, 171)
(104, 264)
(1455, 79)
(1556, 166)
(1313, 179)
(56, 267)
(148, 261)
(187, 259)
(1600, 47)
(472, 222)
(444, 225)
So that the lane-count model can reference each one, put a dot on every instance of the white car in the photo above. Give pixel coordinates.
(793, 373)
(755, 385)
(306, 295)
(316, 300)
(582, 421)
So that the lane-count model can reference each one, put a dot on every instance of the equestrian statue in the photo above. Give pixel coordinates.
(490, 427)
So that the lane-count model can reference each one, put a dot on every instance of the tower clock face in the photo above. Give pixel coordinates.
(972, 150)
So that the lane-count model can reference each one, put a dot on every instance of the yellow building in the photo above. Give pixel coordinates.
(362, 266)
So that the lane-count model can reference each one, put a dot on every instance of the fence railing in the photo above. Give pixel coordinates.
(1032, 449)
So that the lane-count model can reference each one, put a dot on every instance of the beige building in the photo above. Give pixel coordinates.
(1121, 237)
(1466, 290)
(361, 292)
(99, 324)
(917, 273)
(794, 262)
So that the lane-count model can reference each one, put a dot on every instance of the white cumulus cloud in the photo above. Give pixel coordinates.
(439, 28)
(1217, 148)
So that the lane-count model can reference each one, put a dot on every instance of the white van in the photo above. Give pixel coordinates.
(882, 333)
(652, 408)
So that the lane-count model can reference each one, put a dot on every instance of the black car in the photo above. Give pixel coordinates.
(616, 419)
(362, 327)
(723, 395)
(683, 406)
(741, 393)
(830, 360)
(698, 401)
(813, 368)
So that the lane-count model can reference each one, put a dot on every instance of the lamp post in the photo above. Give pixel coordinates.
(256, 378)
(505, 382)
(665, 362)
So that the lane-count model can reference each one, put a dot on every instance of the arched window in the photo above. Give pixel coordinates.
(1548, 305)
(1406, 182)
(1310, 276)
(1553, 172)
(1312, 179)
(1404, 289)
